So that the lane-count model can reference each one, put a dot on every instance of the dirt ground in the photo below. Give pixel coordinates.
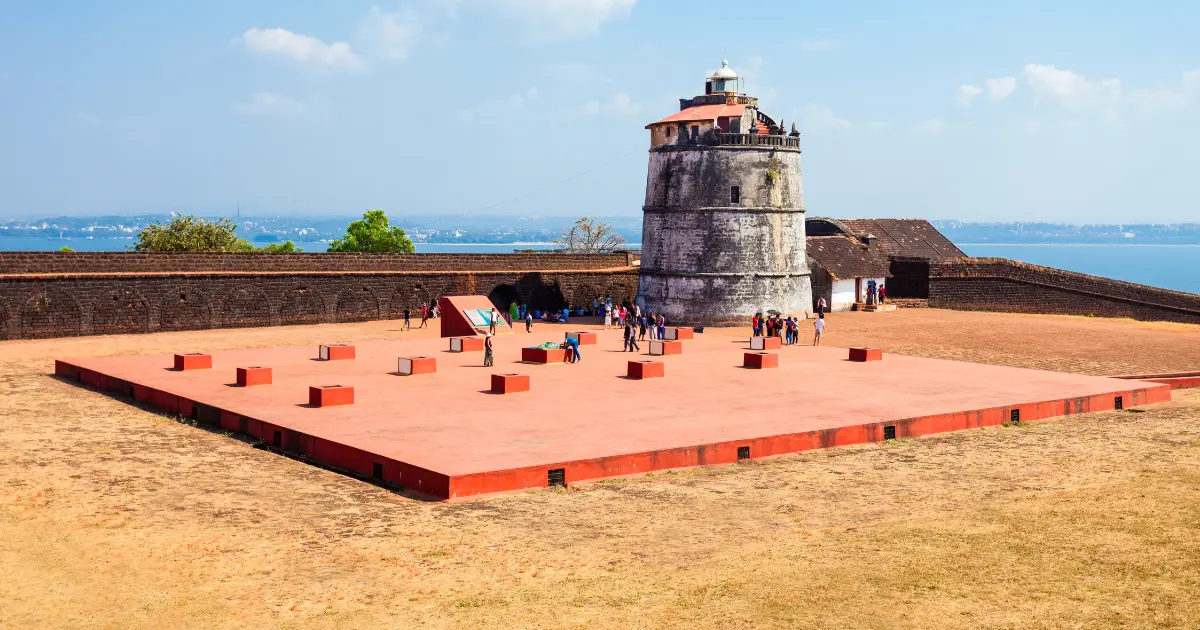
(113, 517)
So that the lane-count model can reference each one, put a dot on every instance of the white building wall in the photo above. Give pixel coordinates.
(843, 295)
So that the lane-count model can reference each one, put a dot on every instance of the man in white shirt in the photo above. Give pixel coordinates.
(818, 329)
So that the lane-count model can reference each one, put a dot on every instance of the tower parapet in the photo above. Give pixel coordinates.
(723, 226)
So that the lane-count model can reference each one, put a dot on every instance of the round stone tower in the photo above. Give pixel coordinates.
(723, 225)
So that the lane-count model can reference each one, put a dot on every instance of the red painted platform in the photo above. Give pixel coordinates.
(766, 343)
(760, 360)
(544, 355)
(645, 369)
(446, 435)
(866, 354)
(585, 338)
(250, 376)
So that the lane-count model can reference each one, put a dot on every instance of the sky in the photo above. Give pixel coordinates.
(1069, 111)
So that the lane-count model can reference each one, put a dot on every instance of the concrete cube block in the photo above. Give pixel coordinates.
(646, 369)
(330, 395)
(193, 361)
(410, 366)
(249, 376)
(510, 383)
(760, 360)
(336, 352)
(866, 354)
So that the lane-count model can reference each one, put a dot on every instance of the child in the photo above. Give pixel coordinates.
(407, 319)
(818, 329)
(528, 321)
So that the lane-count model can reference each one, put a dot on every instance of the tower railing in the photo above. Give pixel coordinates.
(758, 139)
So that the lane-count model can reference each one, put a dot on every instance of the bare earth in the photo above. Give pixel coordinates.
(112, 516)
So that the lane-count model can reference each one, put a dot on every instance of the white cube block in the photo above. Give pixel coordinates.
(456, 344)
(404, 366)
(656, 348)
(758, 343)
(672, 333)
(324, 353)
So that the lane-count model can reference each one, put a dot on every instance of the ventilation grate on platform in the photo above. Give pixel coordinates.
(1119, 403)
(556, 477)
(1014, 416)
(377, 471)
(743, 453)
(889, 432)
(277, 439)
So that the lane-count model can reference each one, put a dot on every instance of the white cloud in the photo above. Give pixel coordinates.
(933, 126)
(517, 101)
(304, 49)
(1172, 98)
(820, 45)
(550, 19)
(392, 35)
(966, 94)
(619, 104)
(1000, 88)
(266, 104)
(1073, 91)
(818, 118)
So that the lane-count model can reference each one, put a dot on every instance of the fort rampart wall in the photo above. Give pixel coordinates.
(999, 284)
(53, 294)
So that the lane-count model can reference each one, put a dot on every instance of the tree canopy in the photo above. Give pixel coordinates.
(373, 234)
(589, 235)
(189, 233)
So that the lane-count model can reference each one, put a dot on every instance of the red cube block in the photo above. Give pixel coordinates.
(646, 369)
(544, 355)
(765, 343)
(680, 333)
(585, 338)
(866, 354)
(410, 366)
(466, 344)
(663, 348)
(760, 360)
(248, 376)
(337, 352)
(193, 361)
(510, 383)
(330, 395)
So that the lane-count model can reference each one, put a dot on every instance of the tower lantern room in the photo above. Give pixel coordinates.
(724, 81)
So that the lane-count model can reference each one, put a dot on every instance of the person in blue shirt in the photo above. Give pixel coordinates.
(572, 344)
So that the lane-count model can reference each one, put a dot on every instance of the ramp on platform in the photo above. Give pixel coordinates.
(468, 315)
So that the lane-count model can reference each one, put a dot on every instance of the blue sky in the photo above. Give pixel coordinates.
(1017, 110)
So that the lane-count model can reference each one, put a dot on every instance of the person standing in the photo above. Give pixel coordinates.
(492, 321)
(488, 357)
(528, 322)
(821, 306)
(818, 329)
(882, 294)
(607, 316)
(513, 313)
(424, 316)
(641, 327)
(662, 326)
(407, 319)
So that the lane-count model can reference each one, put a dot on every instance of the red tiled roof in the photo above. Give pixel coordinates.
(702, 112)
(915, 238)
(845, 257)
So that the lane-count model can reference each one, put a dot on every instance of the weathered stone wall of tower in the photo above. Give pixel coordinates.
(709, 260)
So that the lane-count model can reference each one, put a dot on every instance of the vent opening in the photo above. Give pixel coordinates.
(889, 432)
(743, 453)
(277, 439)
(1119, 403)
(556, 477)
(1014, 416)
(377, 471)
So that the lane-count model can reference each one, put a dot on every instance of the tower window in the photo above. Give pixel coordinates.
(695, 132)
(735, 194)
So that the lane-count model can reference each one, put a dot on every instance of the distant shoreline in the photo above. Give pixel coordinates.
(1079, 244)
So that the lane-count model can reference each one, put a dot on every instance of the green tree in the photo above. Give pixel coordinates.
(372, 234)
(190, 233)
(64, 248)
(286, 247)
(589, 235)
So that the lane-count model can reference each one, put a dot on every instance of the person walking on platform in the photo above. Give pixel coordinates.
(492, 321)
(424, 316)
(631, 343)
(488, 357)
(407, 319)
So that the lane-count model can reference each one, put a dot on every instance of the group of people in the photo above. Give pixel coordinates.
(788, 328)
(426, 312)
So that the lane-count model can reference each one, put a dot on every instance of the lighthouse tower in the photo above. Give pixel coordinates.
(723, 225)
